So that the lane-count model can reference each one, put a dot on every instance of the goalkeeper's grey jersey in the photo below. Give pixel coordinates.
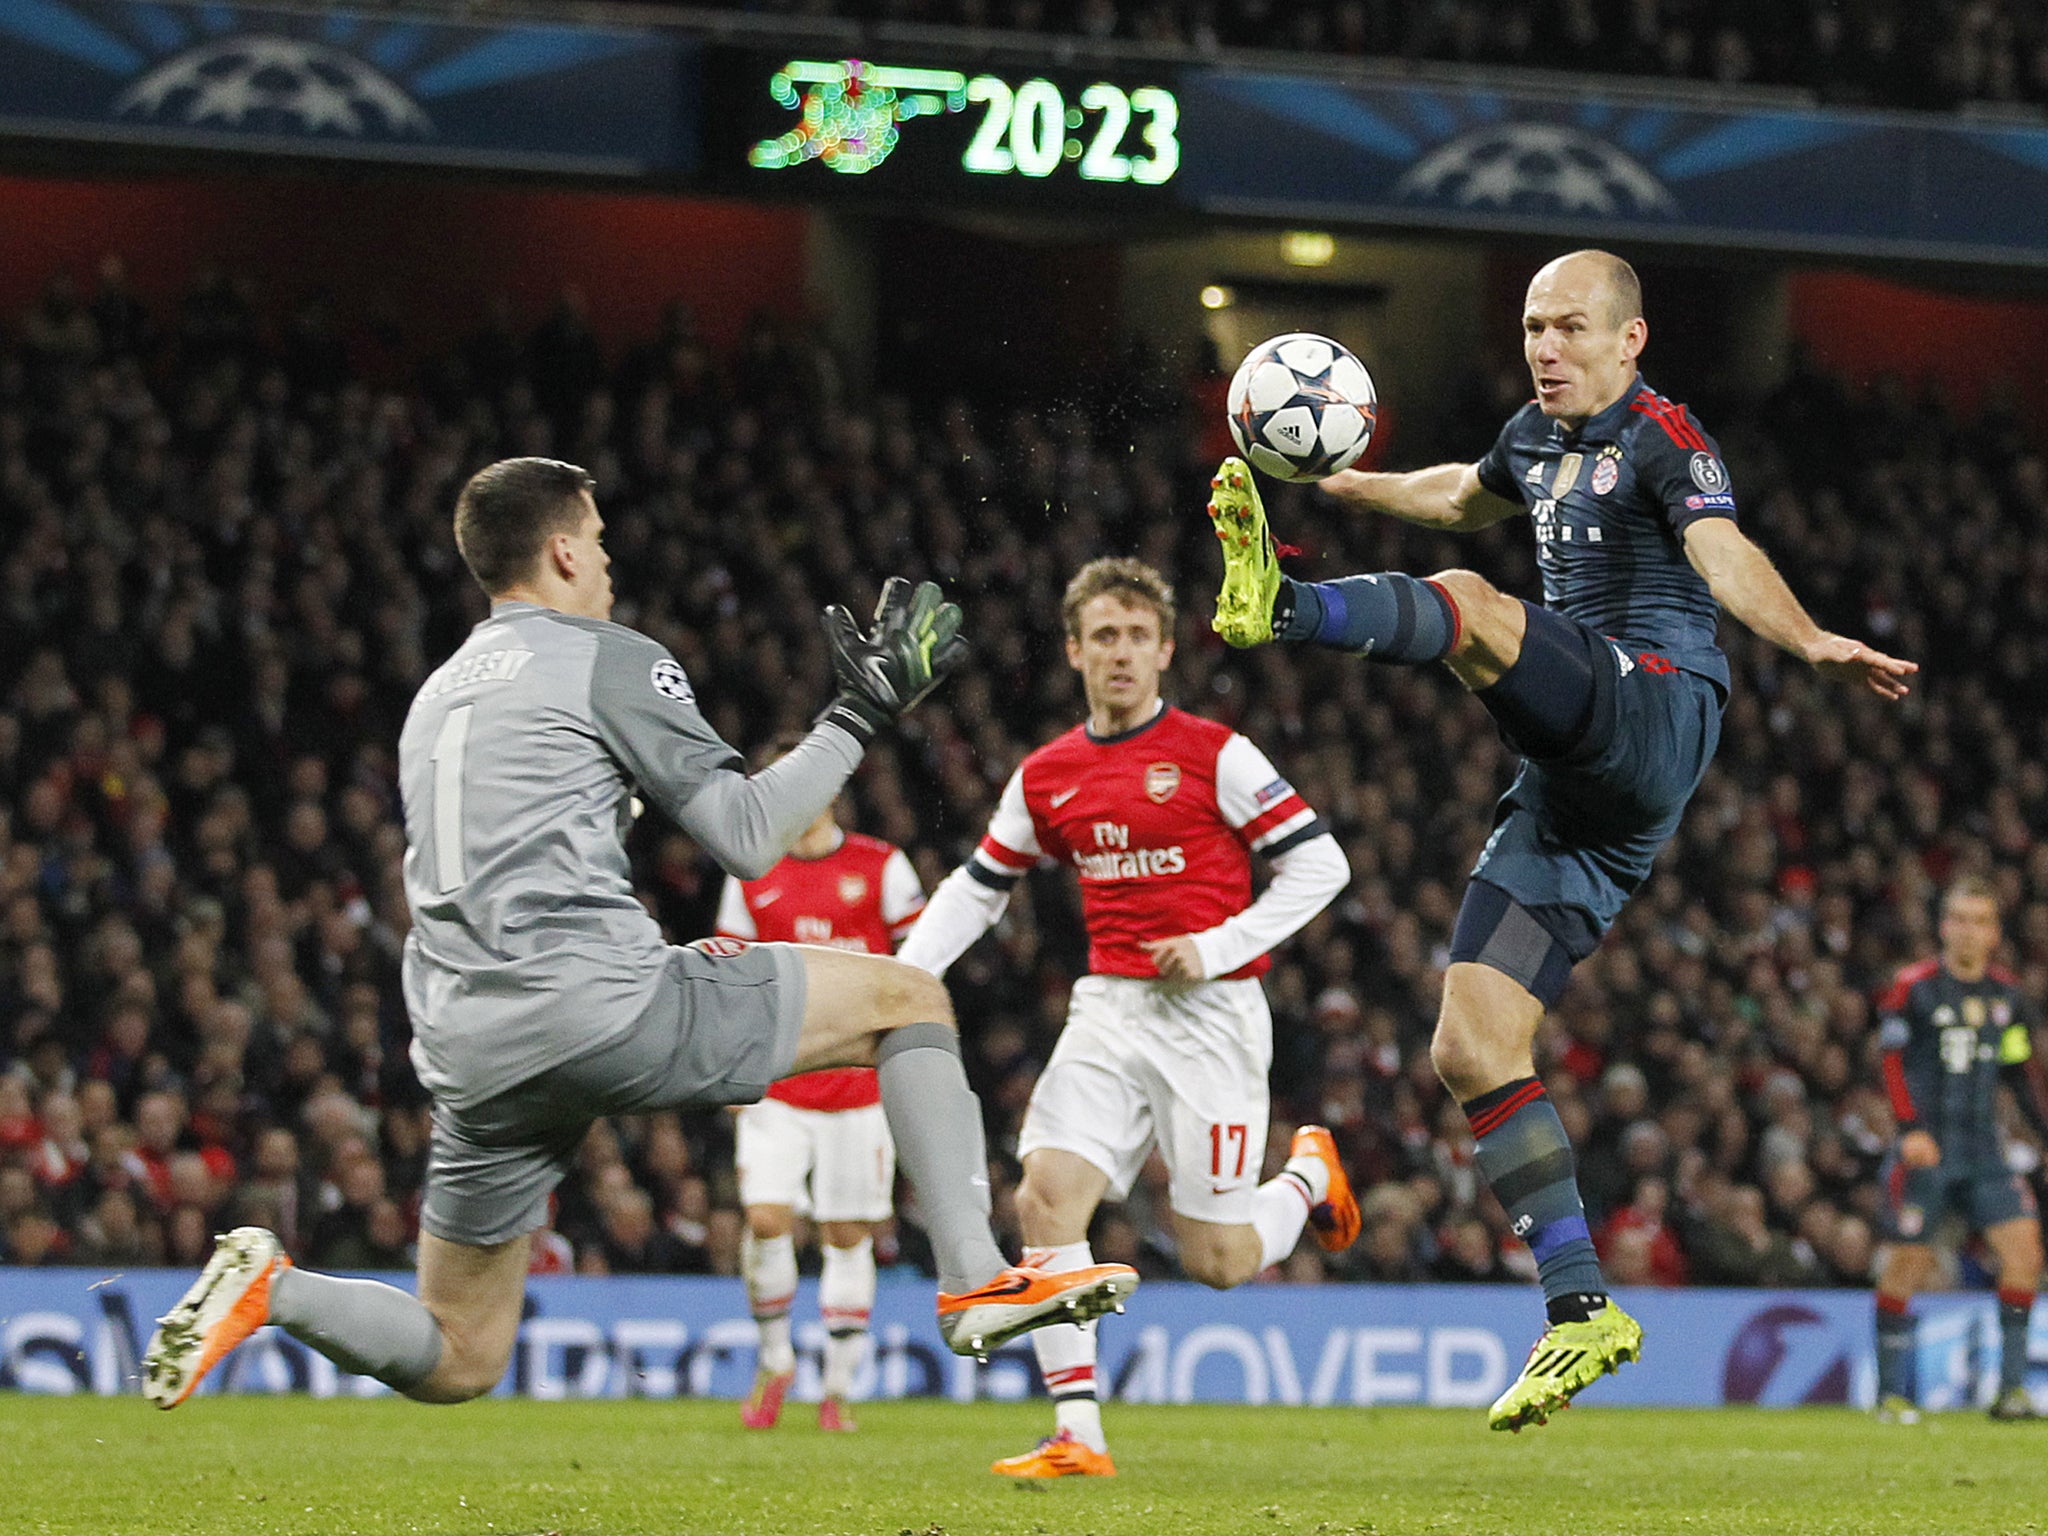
(518, 763)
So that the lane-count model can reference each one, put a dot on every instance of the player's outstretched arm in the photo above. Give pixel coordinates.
(647, 717)
(1744, 581)
(1447, 496)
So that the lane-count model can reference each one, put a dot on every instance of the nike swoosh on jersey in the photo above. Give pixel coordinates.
(1063, 797)
(767, 898)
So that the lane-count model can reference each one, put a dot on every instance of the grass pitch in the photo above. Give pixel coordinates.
(516, 1468)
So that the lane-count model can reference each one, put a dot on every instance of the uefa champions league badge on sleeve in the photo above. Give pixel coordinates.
(1708, 474)
(671, 682)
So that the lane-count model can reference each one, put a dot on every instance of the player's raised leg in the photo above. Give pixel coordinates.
(1387, 616)
(1482, 1050)
(1311, 1190)
(448, 1345)
(865, 1010)
(2017, 1243)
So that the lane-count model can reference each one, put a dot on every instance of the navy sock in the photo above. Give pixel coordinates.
(1389, 617)
(2015, 1311)
(1894, 1349)
(1528, 1162)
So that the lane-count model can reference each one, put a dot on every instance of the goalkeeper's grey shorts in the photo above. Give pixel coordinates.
(722, 1027)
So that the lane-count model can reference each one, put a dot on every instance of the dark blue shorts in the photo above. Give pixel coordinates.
(1599, 795)
(1916, 1199)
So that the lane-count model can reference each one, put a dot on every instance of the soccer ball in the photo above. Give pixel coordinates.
(1301, 407)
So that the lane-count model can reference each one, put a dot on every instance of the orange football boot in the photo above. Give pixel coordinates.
(1020, 1298)
(1059, 1455)
(1336, 1221)
(229, 1301)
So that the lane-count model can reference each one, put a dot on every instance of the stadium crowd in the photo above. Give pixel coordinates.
(1930, 54)
(229, 565)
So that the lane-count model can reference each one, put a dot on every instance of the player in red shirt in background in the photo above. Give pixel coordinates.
(818, 1142)
(1168, 1038)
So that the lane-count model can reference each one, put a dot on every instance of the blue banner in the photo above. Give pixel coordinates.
(70, 1330)
(1590, 165)
(383, 85)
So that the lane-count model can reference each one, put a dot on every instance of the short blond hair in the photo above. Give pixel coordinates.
(1131, 579)
(1963, 887)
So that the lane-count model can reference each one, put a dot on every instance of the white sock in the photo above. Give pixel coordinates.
(769, 1266)
(1066, 1355)
(846, 1297)
(1280, 1208)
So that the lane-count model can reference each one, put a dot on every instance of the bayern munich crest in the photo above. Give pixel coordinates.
(1161, 780)
(1606, 473)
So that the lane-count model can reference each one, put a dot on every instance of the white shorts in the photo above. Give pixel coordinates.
(1141, 1061)
(828, 1164)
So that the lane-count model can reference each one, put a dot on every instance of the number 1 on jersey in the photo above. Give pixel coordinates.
(1219, 1135)
(450, 747)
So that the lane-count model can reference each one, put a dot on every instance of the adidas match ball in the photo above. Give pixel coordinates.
(1301, 407)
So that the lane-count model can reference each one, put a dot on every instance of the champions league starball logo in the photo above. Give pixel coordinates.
(1536, 168)
(279, 83)
(376, 84)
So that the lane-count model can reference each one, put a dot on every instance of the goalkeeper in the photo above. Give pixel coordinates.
(542, 995)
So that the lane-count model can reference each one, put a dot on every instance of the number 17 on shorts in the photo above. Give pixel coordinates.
(1227, 1152)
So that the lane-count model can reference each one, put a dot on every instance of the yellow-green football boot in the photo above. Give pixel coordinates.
(1251, 565)
(1569, 1358)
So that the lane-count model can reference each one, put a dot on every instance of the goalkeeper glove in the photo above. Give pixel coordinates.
(913, 644)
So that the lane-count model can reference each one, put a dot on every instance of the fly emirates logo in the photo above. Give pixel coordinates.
(1116, 859)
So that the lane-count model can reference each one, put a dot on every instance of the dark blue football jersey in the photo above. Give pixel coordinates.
(1947, 1045)
(1611, 502)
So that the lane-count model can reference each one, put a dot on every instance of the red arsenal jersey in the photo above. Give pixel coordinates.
(1158, 823)
(863, 896)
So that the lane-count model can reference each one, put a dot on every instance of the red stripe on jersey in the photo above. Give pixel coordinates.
(1283, 812)
(1005, 857)
(1671, 417)
(1895, 1085)
(1902, 986)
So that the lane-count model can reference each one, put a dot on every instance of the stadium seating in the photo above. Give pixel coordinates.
(230, 565)
(1927, 56)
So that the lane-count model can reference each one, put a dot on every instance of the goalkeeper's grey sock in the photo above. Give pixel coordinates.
(936, 1122)
(363, 1326)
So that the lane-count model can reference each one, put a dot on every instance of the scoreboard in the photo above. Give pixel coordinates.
(908, 130)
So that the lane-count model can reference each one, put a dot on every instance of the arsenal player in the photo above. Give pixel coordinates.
(817, 1142)
(1168, 1038)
